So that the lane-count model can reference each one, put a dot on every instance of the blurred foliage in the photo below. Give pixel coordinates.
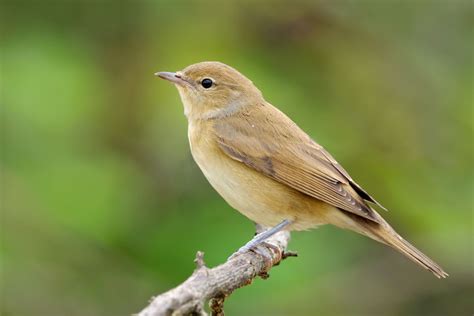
(102, 206)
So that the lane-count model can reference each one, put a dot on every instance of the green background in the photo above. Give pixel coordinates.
(102, 205)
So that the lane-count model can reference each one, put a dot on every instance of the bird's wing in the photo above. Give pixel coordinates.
(282, 151)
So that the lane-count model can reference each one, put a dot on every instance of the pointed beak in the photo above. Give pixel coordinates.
(171, 76)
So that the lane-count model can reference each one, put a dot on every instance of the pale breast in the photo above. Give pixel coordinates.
(261, 199)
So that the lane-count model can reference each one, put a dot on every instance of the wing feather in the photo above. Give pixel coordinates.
(282, 151)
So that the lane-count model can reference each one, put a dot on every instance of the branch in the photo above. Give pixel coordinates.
(217, 283)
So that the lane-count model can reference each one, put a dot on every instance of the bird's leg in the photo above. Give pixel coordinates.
(264, 235)
(261, 237)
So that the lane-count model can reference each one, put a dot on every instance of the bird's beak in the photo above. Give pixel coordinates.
(171, 76)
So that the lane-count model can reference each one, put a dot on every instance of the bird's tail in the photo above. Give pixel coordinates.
(384, 233)
(397, 242)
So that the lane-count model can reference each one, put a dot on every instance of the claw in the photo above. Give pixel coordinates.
(260, 238)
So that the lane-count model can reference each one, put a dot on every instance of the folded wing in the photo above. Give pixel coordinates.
(283, 152)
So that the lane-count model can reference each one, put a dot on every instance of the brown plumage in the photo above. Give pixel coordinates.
(269, 169)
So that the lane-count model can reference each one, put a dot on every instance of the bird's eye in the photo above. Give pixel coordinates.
(206, 83)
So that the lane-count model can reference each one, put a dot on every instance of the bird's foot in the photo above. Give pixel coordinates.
(265, 250)
(241, 250)
(260, 238)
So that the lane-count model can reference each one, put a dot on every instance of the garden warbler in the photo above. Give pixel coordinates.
(268, 168)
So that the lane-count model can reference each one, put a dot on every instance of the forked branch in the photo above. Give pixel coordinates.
(215, 284)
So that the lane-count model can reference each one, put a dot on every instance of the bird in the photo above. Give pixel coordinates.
(267, 168)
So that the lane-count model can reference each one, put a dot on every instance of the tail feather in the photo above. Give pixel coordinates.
(384, 233)
(398, 243)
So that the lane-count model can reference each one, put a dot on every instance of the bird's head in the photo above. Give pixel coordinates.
(212, 89)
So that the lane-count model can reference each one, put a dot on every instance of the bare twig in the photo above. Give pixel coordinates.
(216, 284)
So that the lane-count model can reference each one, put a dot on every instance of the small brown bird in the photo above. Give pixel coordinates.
(268, 168)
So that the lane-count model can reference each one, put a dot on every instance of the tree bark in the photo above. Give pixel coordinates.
(216, 284)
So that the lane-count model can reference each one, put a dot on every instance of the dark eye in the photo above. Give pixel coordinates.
(206, 83)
